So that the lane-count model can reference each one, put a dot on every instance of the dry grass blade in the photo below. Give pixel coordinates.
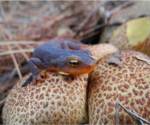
(15, 51)
(9, 36)
(84, 23)
(22, 52)
(146, 59)
(133, 114)
(117, 9)
(2, 101)
(15, 62)
(3, 43)
(91, 32)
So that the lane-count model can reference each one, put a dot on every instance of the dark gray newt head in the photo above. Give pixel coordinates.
(57, 59)
(75, 62)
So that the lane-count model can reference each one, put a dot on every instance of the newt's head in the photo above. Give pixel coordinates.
(77, 62)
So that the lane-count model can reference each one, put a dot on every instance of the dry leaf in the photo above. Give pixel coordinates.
(115, 59)
(143, 58)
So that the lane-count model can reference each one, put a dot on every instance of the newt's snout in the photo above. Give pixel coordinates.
(89, 64)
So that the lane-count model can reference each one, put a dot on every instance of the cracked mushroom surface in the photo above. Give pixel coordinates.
(128, 82)
(53, 100)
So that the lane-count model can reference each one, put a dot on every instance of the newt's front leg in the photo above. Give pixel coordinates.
(35, 65)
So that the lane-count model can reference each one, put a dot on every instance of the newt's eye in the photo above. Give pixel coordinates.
(73, 61)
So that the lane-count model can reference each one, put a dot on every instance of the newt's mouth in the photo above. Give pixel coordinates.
(81, 70)
(89, 69)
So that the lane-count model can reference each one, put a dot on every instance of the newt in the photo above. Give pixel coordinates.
(63, 56)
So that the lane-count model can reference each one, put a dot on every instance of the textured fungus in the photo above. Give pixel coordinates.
(128, 83)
